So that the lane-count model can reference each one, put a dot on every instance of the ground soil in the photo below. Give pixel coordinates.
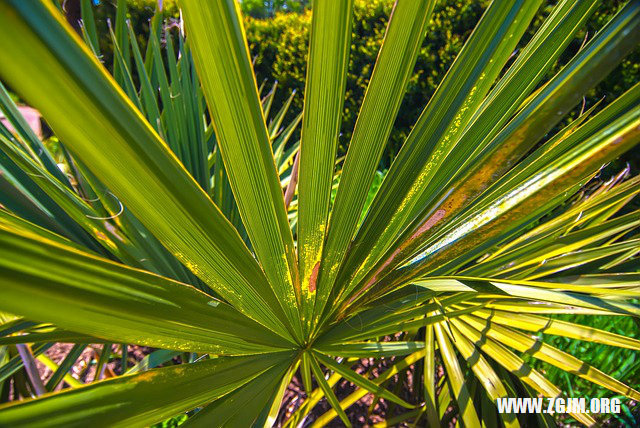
(364, 413)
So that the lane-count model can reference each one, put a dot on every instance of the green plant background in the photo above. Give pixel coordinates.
(279, 46)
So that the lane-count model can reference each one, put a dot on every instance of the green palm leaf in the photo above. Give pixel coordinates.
(232, 96)
(176, 207)
(125, 400)
(140, 169)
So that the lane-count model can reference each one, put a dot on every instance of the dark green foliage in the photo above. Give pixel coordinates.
(139, 14)
(268, 8)
(279, 46)
(623, 77)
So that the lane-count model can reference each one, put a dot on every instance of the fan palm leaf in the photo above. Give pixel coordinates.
(175, 210)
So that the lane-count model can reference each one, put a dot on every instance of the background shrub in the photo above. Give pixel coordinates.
(279, 47)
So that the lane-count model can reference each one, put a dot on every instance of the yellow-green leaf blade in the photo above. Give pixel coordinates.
(57, 74)
(222, 60)
(385, 91)
(114, 302)
(324, 99)
(141, 399)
